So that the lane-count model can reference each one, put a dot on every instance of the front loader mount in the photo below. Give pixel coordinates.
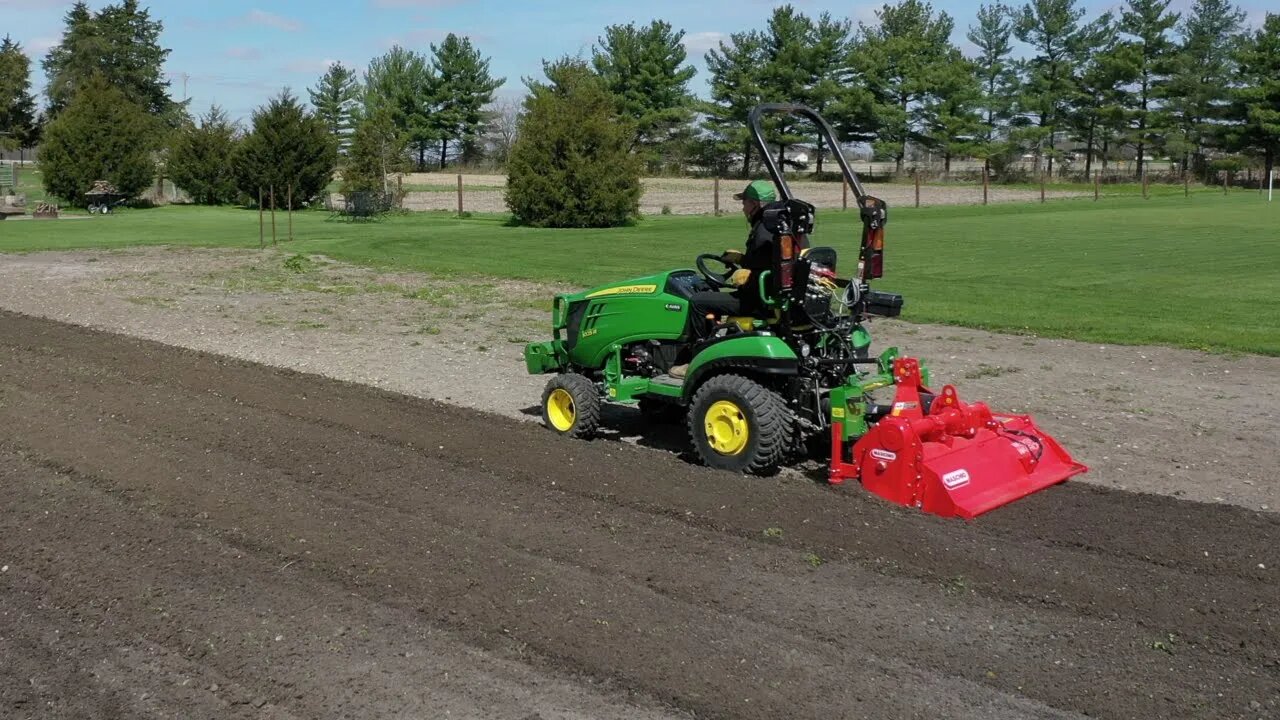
(947, 457)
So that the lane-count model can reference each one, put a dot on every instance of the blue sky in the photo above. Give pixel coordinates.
(238, 52)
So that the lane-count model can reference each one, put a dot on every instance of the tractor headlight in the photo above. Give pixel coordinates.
(804, 349)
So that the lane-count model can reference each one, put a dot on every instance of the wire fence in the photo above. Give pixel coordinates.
(461, 193)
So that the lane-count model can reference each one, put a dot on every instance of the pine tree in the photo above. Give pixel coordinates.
(735, 89)
(336, 97)
(200, 159)
(645, 69)
(401, 82)
(18, 127)
(287, 147)
(1052, 29)
(461, 89)
(100, 135)
(950, 118)
(571, 165)
(997, 77)
(1255, 107)
(1098, 113)
(899, 59)
(1200, 79)
(1148, 23)
(378, 148)
(120, 42)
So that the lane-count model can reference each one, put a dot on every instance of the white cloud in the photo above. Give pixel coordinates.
(700, 42)
(279, 22)
(304, 65)
(241, 52)
(414, 3)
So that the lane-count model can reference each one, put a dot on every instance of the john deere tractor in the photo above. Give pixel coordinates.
(757, 390)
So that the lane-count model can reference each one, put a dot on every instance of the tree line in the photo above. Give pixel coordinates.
(1198, 88)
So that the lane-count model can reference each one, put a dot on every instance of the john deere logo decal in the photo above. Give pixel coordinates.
(626, 290)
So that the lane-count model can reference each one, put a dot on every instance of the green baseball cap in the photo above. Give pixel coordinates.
(761, 190)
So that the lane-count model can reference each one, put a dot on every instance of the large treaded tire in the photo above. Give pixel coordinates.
(586, 404)
(767, 417)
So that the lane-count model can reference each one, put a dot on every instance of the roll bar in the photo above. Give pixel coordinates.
(756, 119)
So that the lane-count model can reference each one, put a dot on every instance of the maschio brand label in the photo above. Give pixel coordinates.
(956, 479)
(885, 455)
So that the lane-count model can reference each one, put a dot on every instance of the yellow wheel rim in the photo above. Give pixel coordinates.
(560, 410)
(727, 428)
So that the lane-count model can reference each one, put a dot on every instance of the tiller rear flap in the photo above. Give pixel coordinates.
(948, 457)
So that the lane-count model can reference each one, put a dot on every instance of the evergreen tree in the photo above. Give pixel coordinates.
(100, 135)
(571, 165)
(1255, 102)
(18, 128)
(645, 69)
(735, 89)
(287, 147)
(900, 59)
(1098, 113)
(336, 97)
(200, 159)
(1148, 23)
(401, 82)
(997, 76)
(950, 118)
(120, 42)
(378, 148)
(1200, 79)
(1052, 29)
(461, 87)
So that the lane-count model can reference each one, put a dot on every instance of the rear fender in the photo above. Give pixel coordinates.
(754, 355)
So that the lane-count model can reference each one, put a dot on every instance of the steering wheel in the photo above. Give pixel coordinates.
(716, 280)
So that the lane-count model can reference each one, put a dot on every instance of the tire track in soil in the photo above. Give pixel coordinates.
(1055, 602)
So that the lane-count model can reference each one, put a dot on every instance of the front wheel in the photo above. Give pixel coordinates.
(571, 405)
(736, 424)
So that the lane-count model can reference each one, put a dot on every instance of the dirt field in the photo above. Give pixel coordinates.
(189, 535)
(192, 535)
(687, 196)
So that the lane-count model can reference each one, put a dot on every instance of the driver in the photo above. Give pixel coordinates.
(745, 300)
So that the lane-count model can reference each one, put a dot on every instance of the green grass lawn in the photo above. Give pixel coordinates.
(1202, 273)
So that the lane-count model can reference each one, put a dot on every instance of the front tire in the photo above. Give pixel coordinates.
(736, 424)
(571, 406)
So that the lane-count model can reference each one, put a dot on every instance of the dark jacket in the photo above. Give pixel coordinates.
(757, 258)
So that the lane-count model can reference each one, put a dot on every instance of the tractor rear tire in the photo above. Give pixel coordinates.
(571, 406)
(739, 425)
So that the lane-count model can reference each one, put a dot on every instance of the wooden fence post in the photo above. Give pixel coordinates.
(400, 190)
(1226, 181)
(1186, 183)
(917, 188)
(715, 203)
(289, 200)
(459, 194)
(986, 180)
(262, 239)
(1042, 186)
(272, 190)
(1144, 184)
(1097, 184)
(844, 192)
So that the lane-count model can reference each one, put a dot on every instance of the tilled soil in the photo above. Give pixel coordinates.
(1185, 423)
(185, 534)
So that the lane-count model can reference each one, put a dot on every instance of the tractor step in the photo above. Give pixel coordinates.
(667, 380)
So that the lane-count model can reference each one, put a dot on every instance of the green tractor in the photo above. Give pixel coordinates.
(756, 391)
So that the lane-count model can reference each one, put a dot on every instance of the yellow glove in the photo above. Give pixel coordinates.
(740, 277)
(732, 257)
